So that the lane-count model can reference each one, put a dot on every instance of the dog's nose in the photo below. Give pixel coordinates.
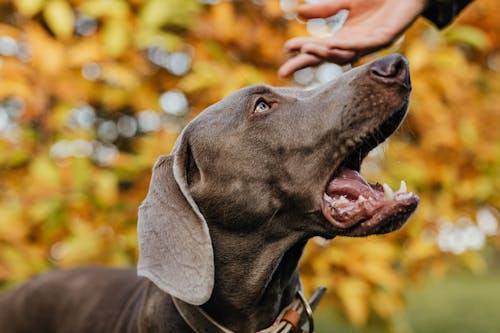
(392, 68)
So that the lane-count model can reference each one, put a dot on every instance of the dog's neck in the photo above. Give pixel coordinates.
(252, 282)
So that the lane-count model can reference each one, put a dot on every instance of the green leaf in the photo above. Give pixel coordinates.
(468, 35)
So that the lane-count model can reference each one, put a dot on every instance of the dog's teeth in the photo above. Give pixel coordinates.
(388, 192)
(402, 187)
(342, 199)
(403, 196)
(361, 198)
(323, 242)
(327, 198)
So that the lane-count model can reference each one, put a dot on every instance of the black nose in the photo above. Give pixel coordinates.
(392, 68)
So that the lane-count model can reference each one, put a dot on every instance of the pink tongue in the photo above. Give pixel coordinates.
(350, 183)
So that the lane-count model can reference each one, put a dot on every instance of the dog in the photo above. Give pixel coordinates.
(229, 211)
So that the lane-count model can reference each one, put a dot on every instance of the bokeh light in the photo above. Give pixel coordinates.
(174, 102)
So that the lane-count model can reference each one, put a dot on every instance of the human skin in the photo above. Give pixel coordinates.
(371, 26)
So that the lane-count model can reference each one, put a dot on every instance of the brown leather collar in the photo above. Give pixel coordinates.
(297, 314)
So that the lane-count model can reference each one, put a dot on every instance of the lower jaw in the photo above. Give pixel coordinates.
(385, 219)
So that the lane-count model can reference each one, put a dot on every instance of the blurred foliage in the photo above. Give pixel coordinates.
(91, 92)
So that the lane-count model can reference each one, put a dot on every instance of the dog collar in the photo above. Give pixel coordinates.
(298, 314)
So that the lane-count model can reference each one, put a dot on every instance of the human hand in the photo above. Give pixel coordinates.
(371, 25)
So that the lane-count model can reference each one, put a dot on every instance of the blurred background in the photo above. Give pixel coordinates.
(91, 92)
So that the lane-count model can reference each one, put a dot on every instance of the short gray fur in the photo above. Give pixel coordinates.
(226, 218)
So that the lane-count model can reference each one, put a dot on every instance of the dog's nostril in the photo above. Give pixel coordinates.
(392, 66)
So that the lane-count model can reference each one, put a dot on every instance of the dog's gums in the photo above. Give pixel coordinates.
(351, 202)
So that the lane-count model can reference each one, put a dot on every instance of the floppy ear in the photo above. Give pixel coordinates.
(175, 249)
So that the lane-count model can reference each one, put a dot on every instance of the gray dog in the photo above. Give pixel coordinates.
(229, 212)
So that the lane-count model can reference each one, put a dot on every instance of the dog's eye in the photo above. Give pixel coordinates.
(261, 106)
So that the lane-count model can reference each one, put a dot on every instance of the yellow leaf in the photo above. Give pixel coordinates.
(419, 250)
(380, 273)
(115, 37)
(59, 17)
(48, 54)
(29, 7)
(385, 304)
(469, 35)
(14, 88)
(20, 261)
(418, 55)
(272, 8)
(106, 188)
(147, 37)
(468, 133)
(83, 247)
(81, 173)
(152, 146)
(156, 13)
(474, 261)
(223, 16)
(120, 76)
(353, 294)
(85, 51)
(145, 98)
(44, 173)
(45, 209)
(58, 115)
(202, 76)
(110, 8)
(449, 59)
(337, 256)
(120, 258)
(377, 248)
(12, 228)
(112, 97)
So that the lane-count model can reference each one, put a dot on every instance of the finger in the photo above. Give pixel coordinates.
(322, 9)
(345, 39)
(334, 55)
(300, 61)
(295, 44)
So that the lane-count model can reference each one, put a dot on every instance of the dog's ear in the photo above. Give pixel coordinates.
(175, 249)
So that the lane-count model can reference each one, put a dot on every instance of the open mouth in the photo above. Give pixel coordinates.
(359, 208)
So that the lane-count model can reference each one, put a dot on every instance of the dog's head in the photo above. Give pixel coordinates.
(278, 161)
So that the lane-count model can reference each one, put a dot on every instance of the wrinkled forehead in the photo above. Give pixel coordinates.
(262, 89)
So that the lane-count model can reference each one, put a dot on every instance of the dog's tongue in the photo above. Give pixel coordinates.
(351, 184)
